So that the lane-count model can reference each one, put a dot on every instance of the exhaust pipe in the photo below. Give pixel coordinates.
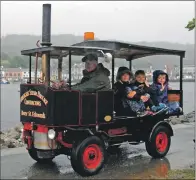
(46, 25)
(46, 38)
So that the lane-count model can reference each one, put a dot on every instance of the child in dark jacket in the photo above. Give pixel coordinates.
(145, 92)
(142, 93)
(161, 87)
(124, 78)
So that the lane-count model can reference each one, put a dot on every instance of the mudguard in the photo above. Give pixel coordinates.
(162, 123)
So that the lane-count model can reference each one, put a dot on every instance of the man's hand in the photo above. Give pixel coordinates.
(55, 85)
(131, 94)
(59, 85)
(144, 98)
(63, 83)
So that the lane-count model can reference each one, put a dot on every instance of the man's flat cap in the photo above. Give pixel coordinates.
(90, 57)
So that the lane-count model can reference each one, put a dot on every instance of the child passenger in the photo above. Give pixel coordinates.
(161, 86)
(139, 93)
(123, 80)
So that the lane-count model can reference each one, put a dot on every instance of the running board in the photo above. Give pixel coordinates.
(124, 143)
(127, 142)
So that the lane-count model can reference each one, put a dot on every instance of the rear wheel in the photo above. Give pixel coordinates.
(159, 144)
(33, 153)
(88, 157)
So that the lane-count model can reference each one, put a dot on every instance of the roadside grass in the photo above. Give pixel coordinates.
(165, 174)
(181, 174)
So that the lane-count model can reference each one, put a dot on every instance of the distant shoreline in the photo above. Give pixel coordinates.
(173, 81)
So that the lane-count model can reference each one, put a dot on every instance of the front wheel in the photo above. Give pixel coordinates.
(159, 144)
(33, 153)
(88, 157)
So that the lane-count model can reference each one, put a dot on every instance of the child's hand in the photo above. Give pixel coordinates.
(162, 87)
(147, 84)
(131, 94)
(141, 85)
(144, 98)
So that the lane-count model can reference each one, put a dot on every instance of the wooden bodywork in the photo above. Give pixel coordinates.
(82, 114)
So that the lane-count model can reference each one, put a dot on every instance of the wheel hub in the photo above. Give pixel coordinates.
(161, 141)
(92, 156)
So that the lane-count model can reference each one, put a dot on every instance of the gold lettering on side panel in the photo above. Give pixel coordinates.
(37, 103)
(33, 93)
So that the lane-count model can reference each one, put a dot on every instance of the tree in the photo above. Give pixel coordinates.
(18, 61)
(4, 56)
(191, 24)
(5, 63)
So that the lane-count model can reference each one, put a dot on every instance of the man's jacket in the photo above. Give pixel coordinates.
(94, 81)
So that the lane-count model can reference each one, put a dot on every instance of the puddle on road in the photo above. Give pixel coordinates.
(134, 166)
(126, 165)
(152, 170)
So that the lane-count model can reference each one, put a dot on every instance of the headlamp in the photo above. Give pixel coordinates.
(51, 134)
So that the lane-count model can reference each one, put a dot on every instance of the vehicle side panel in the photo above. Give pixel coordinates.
(64, 107)
(88, 106)
(105, 106)
(33, 103)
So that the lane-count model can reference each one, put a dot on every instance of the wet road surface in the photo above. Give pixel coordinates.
(133, 161)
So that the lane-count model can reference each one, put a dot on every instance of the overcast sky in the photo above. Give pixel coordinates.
(128, 20)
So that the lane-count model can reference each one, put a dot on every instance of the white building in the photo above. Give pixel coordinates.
(2, 74)
(189, 69)
(26, 74)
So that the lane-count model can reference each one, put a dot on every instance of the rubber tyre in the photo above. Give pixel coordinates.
(78, 155)
(33, 153)
(152, 147)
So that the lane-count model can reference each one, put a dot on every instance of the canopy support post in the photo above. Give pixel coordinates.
(181, 81)
(30, 69)
(181, 72)
(70, 68)
(112, 70)
(130, 65)
(60, 60)
(48, 68)
(129, 59)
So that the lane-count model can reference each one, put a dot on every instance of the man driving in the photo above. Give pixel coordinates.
(95, 75)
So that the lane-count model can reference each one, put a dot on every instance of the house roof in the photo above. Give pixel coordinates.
(12, 69)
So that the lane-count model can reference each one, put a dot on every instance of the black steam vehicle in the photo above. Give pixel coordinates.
(83, 125)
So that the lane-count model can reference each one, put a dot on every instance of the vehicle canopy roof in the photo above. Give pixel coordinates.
(119, 49)
(130, 51)
(63, 51)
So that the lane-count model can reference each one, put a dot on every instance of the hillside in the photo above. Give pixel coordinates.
(11, 46)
